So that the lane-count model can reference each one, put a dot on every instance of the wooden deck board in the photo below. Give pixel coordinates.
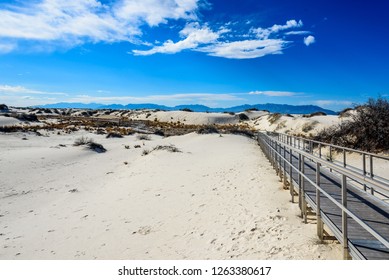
(369, 209)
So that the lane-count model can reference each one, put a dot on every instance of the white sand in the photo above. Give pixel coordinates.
(218, 199)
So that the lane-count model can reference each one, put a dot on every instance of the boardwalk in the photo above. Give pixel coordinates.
(371, 210)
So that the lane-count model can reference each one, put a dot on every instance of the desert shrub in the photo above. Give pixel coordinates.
(243, 132)
(82, 141)
(309, 126)
(314, 114)
(251, 109)
(243, 117)
(137, 146)
(289, 115)
(208, 129)
(114, 135)
(98, 148)
(145, 152)
(186, 110)
(272, 118)
(3, 107)
(169, 148)
(88, 142)
(281, 125)
(159, 132)
(143, 137)
(148, 115)
(345, 113)
(367, 130)
(27, 117)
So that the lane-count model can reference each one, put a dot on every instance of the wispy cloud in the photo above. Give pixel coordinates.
(274, 93)
(7, 89)
(309, 40)
(76, 22)
(194, 36)
(7, 47)
(264, 33)
(333, 102)
(23, 96)
(260, 41)
(170, 98)
(46, 25)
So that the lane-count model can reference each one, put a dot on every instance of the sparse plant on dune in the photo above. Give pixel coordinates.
(88, 142)
(143, 137)
(272, 118)
(309, 126)
(367, 130)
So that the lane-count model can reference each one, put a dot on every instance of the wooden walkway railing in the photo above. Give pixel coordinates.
(341, 196)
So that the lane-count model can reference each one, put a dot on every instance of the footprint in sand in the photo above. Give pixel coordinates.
(143, 230)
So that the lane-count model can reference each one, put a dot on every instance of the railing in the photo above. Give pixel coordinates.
(364, 163)
(277, 146)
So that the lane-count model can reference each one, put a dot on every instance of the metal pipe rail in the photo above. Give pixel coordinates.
(276, 151)
(310, 145)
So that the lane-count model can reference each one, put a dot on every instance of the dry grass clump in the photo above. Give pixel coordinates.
(186, 110)
(143, 137)
(88, 142)
(272, 118)
(82, 141)
(170, 148)
(281, 125)
(367, 130)
(243, 117)
(346, 113)
(309, 126)
(207, 129)
(114, 135)
(314, 114)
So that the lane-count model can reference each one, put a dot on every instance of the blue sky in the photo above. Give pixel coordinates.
(217, 53)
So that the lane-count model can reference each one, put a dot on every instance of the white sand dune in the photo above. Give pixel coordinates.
(217, 199)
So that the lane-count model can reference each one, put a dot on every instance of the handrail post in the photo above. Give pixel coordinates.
(344, 158)
(371, 174)
(318, 214)
(304, 203)
(346, 254)
(319, 150)
(364, 169)
(279, 162)
(284, 167)
(290, 175)
(299, 180)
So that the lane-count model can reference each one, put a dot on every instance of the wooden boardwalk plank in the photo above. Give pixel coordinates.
(368, 208)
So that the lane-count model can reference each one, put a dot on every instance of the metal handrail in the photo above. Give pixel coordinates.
(335, 146)
(274, 155)
(300, 140)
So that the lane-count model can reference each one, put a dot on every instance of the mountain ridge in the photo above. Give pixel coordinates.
(271, 107)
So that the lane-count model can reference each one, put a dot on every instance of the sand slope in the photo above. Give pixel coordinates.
(218, 199)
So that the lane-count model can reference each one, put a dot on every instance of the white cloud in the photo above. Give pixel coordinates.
(273, 93)
(333, 102)
(264, 33)
(194, 36)
(302, 32)
(76, 22)
(257, 43)
(309, 40)
(7, 47)
(7, 89)
(46, 25)
(245, 49)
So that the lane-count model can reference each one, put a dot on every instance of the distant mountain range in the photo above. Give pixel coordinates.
(273, 108)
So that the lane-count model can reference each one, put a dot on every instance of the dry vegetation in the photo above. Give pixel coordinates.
(367, 130)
